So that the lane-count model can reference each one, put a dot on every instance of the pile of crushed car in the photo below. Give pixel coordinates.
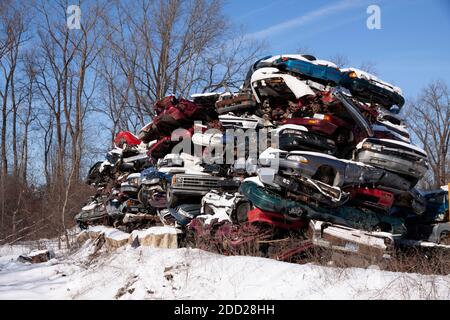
(336, 168)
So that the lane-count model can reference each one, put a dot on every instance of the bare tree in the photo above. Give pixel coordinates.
(368, 66)
(67, 57)
(52, 89)
(340, 60)
(430, 122)
(27, 116)
(227, 65)
(6, 25)
(304, 49)
(168, 47)
(12, 29)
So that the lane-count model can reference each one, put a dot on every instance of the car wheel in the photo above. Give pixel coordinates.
(325, 174)
(143, 197)
(240, 215)
(444, 238)
(172, 199)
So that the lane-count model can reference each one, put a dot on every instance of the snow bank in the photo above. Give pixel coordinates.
(146, 273)
(155, 231)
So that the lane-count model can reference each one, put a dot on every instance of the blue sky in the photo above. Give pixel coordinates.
(411, 48)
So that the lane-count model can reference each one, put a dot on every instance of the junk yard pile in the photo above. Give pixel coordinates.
(304, 156)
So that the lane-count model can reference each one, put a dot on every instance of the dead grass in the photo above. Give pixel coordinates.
(423, 261)
(35, 213)
(257, 241)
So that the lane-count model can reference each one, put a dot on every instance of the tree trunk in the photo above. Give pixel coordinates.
(14, 129)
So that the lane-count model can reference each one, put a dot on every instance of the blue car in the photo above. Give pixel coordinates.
(319, 70)
(434, 224)
(152, 193)
(183, 214)
(369, 88)
(361, 84)
(151, 175)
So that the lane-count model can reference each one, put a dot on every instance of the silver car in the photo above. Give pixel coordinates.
(399, 157)
(336, 172)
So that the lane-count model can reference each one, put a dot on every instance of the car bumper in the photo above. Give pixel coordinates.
(351, 240)
(188, 191)
(395, 163)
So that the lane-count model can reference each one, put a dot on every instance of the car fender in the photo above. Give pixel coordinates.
(299, 88)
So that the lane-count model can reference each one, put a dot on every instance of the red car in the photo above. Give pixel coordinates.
(343, 133)
(372, 198)
(126, 137)
(173, 113)
(164, 145)
(276, 219)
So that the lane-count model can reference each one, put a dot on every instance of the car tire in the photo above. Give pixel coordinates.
(172, 199)
(240, 214)
(325, 174)
(444, 238)
(143, 197)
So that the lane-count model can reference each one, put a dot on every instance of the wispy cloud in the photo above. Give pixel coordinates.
(306, 18)
(261, 9)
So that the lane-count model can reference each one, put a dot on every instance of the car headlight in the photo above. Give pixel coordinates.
(151, 181)
(298, 158)
(371, 146)
(352, 74)
(134, 182)
(292, 131)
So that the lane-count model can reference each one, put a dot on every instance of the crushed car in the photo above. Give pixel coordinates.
(402, 158)
(434, 224)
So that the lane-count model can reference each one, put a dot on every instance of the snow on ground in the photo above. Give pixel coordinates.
(146, 273)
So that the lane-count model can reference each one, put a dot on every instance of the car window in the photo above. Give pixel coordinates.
(436, 198)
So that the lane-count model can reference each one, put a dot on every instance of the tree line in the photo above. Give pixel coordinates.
(66, 92)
